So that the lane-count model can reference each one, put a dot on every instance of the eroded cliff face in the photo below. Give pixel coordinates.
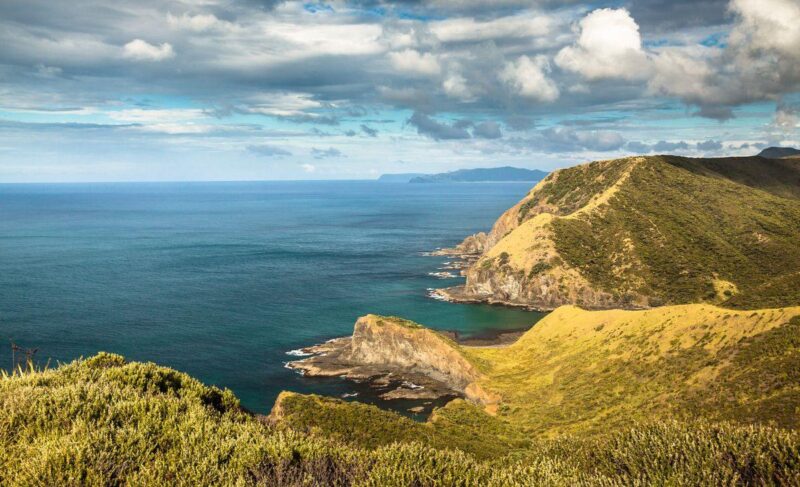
(381, 340)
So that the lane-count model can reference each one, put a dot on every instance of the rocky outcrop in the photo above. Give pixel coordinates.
(392, 350)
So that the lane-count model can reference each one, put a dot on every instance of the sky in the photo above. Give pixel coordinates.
(174, 90)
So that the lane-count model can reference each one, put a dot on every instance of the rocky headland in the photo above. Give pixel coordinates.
(600, 236)
(413, 362)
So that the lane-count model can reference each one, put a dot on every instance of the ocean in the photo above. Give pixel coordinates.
(220, 280)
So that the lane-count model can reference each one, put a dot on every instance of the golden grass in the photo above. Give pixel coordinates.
(586, 371)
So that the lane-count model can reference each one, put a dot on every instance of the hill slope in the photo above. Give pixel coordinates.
(647, 231)
(779, 152)
(594, 371)
(103, 421)
(582, 372)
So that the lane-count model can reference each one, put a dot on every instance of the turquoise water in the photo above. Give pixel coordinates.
(222, 279)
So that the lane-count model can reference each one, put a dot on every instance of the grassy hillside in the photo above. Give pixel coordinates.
(460, 425)
(585, 372)
(103, 421)
(648, 231)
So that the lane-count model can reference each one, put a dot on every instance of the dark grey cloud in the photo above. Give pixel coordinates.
(717, 112)
(268, 150)
(487, 130)
(709, 146)
(638, 147)
(659, 16)
(519, 122)
(429, 127)
(567, 140)
(369, 130)
(664, 146)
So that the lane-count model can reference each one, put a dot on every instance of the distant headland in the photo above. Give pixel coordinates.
(480, 175)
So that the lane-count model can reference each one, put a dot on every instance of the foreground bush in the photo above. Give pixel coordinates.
(103, 421)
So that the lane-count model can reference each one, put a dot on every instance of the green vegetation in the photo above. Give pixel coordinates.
(572, 188)
(103, 421)
(382, 320)
(460, 425)
(678, 230)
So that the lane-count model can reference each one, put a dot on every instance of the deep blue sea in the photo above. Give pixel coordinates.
(220, 280)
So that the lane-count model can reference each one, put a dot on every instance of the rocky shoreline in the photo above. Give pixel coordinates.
(332, 359)
(401, 360)
(465, 255)
(456, 294)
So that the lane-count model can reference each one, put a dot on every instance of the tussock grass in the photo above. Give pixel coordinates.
(103, 421)
(590, 372)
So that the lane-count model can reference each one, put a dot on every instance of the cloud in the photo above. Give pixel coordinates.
(455, 86)
(487, 130)
(453, 69)
(680, 146)
(567, 139)
(709, 146)
(438, 131)
(309, 168)
(140, 50)
(195, 23)
(664, 146)
(268, 150)
(760, 61)
(785, 120)
(520, 26)
(412, 62)
(638, 147)
(609, 46)
(326, 153)
(519, 122)
(369, 130)
(528, 78)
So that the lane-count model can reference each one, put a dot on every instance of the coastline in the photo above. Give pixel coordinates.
(455, 294)
(391, 382)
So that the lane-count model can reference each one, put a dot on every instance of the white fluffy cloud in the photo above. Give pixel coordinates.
(195, 23)
(455, 86)
(761, 60)
(413, 62)
(683, 72)
(527, 77)
(144, 51)
(768, 25)
(609, 46)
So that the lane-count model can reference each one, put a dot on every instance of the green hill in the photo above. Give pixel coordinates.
(593, 372)
(103, 421)
(779, 152)
(648, 231)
